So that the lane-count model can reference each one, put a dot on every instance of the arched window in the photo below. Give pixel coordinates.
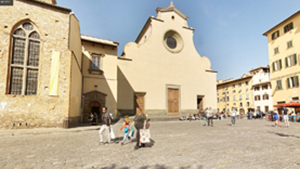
(24, 60)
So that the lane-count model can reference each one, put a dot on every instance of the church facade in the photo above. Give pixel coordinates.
(161, 73)
(52, 76)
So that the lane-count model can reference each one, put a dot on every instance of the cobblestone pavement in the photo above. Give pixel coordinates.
(249, 144)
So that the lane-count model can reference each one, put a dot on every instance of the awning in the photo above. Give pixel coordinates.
(292, 104)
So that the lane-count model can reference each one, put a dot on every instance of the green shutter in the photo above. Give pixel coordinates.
(286, 62)
(291, 25)
(295, 58)
(273, 66)
(288, 83)
(278, 33)
(285, 29)
(280, 64)
(297, 81)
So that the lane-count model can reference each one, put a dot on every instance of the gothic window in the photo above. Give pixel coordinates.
(24, 60)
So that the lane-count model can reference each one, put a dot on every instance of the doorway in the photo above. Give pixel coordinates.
(95, 107)
(200, 104)
(139, 103)
(173, 101)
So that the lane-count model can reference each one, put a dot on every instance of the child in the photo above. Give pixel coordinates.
(128, 130)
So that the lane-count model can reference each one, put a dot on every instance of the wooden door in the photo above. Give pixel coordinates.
(173, 101)
(139, 103)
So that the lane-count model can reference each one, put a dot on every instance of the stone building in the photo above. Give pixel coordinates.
(161, 73)
(52, 76)
(235, 93)
(40, 82)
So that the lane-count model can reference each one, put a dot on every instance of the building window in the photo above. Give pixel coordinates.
(291, 60)
(218, 100)
(264, 87)
(226, 87)
(266, 109)
(278, 85)
(233, 86)
(227, 92)
(289, 44)
(277, 65)
(276, 50)
(241, 104)
(241, 97)
(275, 35)
(293, 82)
(227, 98)
(246, 83)
(295, 98)
(257, 97)
(265, 97)
(233, 98)
(288, 27)
(246, 89)
(247, 96)
(240, 84)
(233, 91)
(248, 104)
(256, 88)
(171, 42)
(258, 108)
(96, 63)
(24, 61)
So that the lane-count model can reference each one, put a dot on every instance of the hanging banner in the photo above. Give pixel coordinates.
(53, 90)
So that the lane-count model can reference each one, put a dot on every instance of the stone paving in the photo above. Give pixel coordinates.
(249, 144)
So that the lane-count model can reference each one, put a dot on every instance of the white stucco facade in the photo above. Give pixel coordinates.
(149, 66)
(262, 90)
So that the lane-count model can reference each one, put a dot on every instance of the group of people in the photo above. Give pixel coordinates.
(139, 122)
(255, 115)
(285, 117)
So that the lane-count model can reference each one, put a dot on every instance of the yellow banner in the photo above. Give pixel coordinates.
(53, 90)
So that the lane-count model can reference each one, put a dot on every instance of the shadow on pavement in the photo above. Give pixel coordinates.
(157, 166)
(284, 135)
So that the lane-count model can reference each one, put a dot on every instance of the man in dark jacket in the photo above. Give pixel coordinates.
(106, 125)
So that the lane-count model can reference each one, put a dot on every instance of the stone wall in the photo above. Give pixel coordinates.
(41, 110)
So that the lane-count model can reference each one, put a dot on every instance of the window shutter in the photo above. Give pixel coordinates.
(273, 66)
(278, 33)
(286, 62)
(285, 29)
(295, 58)
(280, 64)
(291, 25)
(288, 82)
(297, 81)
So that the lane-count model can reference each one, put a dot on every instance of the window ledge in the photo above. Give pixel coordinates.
(95, 72)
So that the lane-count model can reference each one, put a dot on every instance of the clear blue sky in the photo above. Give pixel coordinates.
(228, 32)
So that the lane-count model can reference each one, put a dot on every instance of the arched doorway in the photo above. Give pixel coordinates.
(95, 107)
(94, 101)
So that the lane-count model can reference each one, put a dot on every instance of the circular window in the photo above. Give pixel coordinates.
(173, 41)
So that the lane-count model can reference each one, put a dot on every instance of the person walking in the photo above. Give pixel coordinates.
(276, 117)
(128, 130)
(106, 126)
(209, 116)
(233, 115)
(139, 122)
(286, 116)
(237, 115)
